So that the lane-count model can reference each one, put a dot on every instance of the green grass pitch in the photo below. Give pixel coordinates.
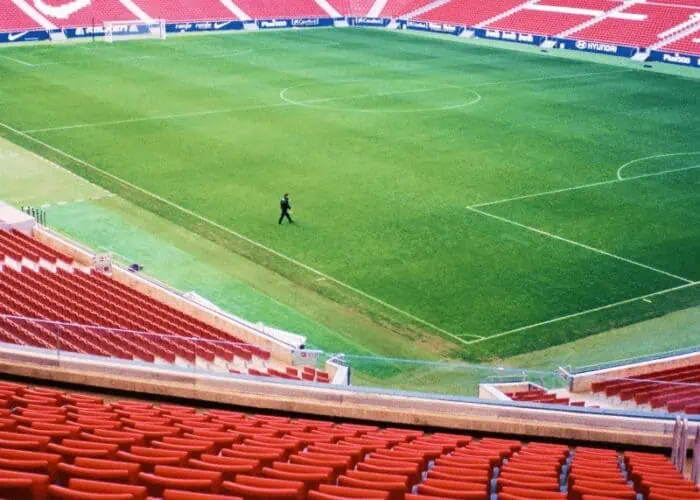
(411, 162)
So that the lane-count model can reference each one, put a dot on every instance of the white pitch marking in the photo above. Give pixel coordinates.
(653, 157)
(646, 300)
(576, 243)
(585, 186)
(545, 78)
(588, 311)
(19, 61)
(236, 234)
(314, 102)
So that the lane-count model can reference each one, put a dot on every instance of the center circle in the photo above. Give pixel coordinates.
(317, 96)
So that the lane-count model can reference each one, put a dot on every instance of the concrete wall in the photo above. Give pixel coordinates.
(327, 401)
(582, 382)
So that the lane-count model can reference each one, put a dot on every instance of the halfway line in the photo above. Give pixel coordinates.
(576, 243)
(588, 311)
(239, 235)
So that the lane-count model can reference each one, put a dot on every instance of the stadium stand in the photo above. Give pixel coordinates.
(352, 7)
(57, 445)
(674, 389)
(539, 22)
(539, 395)
(687, 45)
(643, 24)
(102, 317)
(14, 19)
(468, 12)
(83, 14)
(269, 9)
(182, 10)
(398, 8)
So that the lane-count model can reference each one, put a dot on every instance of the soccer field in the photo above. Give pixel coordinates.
(505, 200)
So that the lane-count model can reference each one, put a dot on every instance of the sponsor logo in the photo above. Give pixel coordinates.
(273, 24)
(305, 22)
(417, 24)
(676, 58)
(596, 47)
(218, 26)
(16, 36)
(509, 36)
(97, 30)
(183, 26)
(443, 28)
(203, 26)
(526, 38)
(370, 20)
(493, 34)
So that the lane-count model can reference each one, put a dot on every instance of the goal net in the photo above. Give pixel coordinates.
(133, 30)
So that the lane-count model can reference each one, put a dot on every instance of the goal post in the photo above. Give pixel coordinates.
(134, 30)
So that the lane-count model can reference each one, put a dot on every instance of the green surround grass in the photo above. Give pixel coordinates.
(381, 188)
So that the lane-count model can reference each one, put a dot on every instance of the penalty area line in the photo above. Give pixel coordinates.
(596, 184)
(644, 298)
(240, 236)
(19, 61)
(581, 245)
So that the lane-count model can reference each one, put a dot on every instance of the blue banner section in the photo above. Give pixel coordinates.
(379, 22)
(24, 36)
(450, 29)
(674, 58)
(117, 30)
(603, 48)
(203, 26)
(509, 36)
(301, 22)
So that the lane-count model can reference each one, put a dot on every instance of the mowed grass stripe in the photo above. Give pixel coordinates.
(380, 199)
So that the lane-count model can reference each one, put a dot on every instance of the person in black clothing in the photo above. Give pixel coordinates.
(285, 208)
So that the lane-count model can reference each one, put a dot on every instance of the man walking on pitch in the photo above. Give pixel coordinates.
(285, 208)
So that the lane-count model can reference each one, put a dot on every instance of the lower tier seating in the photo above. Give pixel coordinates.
(56, 445)
(47, 302)
(676, 389)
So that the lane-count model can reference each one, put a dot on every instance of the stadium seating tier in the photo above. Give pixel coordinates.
(539, 22)
(637, 33)
(468, 12)
(14, 19)
(186, 10)
(267, 9)
(56, 445)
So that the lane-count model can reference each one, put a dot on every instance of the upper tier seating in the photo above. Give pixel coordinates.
(13, 19)
(268, 9)
(468, 12)
(687, 45)
(114, 320)
(677, 389)
(643, 33)
(398, 8)
(55, 445)
(186, 10)
(65, 15)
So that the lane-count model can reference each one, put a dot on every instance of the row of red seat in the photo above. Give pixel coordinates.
(537, 395)
(18, 246)
(73, 446)
(102, 317)
(677, 389)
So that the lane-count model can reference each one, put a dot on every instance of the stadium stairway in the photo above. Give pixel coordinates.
(86, 312)
(57, 445)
